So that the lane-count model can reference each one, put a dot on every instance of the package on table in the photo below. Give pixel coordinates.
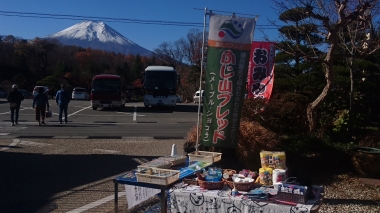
(292, 189)
(279, 175)
(265, 176)
(273, 159)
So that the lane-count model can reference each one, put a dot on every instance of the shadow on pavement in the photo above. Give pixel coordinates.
(29, 181)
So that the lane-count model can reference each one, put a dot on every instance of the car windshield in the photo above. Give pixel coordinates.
(106, 85)
(45, 88)
(160, 80)
(79, 90)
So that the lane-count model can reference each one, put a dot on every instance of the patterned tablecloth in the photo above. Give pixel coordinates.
(214, 201)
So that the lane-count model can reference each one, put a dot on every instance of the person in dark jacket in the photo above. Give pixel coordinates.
(62, 98)
(40, 101)
(15, 97)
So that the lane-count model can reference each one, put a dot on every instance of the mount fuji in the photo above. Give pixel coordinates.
(98, 35)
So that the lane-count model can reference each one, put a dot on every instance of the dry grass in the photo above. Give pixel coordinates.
(253, 139)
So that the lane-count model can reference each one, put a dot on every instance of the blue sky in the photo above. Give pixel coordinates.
(148, 36)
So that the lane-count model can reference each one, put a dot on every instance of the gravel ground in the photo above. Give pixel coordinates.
(344, 192)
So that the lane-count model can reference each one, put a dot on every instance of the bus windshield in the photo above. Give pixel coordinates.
(106, 85)
(161, 80)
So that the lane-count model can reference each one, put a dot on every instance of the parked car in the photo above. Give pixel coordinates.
(80, 93)
(3, 93)
(196, 96)
(25, 93)
(35, 91)
(179, 99)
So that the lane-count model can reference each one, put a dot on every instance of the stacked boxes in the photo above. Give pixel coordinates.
(273, 165)
(275, 160)
(265, 176)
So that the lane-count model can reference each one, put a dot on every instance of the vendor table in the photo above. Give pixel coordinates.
(185, 200)
(163, 195)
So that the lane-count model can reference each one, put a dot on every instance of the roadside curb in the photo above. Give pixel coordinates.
(91, 137)
(78, 137)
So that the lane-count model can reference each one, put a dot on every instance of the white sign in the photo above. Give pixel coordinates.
(137, 194)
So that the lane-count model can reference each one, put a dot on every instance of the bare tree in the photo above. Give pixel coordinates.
(170, 53)
(192, 47)
(332, 17)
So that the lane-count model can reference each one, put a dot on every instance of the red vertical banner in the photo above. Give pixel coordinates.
(261, 70)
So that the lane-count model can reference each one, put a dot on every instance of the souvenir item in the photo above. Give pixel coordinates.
(279, 175)
(234, 191)
(273, 159)
(265, 175)
(279, 160)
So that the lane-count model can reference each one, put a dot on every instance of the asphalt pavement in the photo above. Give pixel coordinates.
(67, 175)
(70, 167)
(134, 120)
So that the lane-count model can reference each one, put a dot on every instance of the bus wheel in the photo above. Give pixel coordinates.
(94, 108)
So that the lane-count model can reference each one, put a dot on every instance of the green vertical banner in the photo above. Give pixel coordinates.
(229, 45)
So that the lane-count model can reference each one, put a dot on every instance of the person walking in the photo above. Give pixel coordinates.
(15, 97)
(62, 98)
(40, 101)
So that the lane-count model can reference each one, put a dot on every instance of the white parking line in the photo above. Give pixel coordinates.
(15, 142)
(3, 113)
(107, 151)
(95, 204)
(78, 111)
(135, 114)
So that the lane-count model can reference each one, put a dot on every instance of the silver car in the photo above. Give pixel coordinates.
(46, 89)
(179, 99)
(198, 95)
(80, 93)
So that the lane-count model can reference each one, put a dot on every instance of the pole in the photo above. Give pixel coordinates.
(200, 81)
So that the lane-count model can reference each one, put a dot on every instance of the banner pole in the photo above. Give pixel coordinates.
(254, 27)
(200, 82)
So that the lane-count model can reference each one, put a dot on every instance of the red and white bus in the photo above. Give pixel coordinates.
(106, 91)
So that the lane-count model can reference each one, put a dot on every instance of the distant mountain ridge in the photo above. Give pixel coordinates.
(98, 35)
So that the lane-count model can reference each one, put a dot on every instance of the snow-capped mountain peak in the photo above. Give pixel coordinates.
(98, 35)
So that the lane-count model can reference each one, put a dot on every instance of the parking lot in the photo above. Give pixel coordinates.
(70, 167)
(132, 121)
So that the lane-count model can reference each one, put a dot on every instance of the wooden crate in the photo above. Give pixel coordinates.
(178, 160)
(241, 186)
(174, 160)
(211, 185)
(156, 163)
(203, 156)
(159, 176)
(294, 198)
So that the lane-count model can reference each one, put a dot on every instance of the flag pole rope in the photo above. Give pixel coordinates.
(200, 80)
